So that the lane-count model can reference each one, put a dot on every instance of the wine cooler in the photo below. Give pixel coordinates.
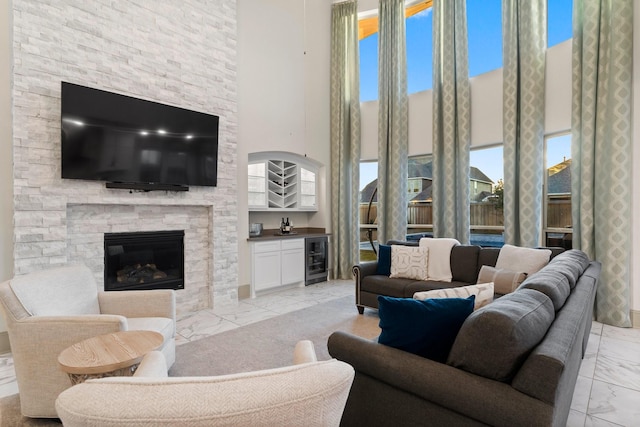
(316, 256)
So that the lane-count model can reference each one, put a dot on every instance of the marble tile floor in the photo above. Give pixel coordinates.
(607, 392)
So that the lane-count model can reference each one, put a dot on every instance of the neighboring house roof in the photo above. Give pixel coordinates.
(559, 182)
(367, 191)
(425, 170)
(418, 169)
(477, 175)
(425, 195)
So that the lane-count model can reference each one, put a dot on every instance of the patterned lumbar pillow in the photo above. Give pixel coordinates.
(483, 293)
(504, 281)
(409, 262)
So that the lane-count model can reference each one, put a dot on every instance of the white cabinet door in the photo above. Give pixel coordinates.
(266, 270)
(275, 263)
(292, 266)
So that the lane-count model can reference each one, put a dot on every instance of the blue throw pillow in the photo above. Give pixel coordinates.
(384, 260)
(427, 328)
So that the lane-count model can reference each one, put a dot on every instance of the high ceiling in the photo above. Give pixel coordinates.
(369, 26)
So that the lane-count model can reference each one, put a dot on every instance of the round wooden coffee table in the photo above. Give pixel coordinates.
(109, 355)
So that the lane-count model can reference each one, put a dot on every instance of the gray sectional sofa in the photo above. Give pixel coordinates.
(466, 261)
(504, 368)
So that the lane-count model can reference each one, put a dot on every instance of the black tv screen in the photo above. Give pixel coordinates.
(120, 139)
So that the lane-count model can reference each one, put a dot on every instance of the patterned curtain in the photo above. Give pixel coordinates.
(524, 28)
(451, 120)
(345, 138)
(602, 147)
(393, 114)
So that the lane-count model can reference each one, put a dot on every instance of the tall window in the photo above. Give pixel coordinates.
(559, 26)
(484, 28)
(420, 51)
(557, 201)
(486, 191)
(369, 68)
(419, 26)
(368, 212)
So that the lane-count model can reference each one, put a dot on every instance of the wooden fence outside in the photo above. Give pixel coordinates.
(481, 214)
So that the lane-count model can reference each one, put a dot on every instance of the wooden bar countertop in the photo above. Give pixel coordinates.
(299, 233)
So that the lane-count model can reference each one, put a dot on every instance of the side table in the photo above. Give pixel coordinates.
(108, 355)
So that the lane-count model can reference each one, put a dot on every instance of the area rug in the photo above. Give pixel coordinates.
(269, 343)
(262, 345)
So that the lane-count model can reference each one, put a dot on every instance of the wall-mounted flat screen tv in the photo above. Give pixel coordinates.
(134, 143)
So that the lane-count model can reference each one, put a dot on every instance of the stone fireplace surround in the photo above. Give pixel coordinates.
(87, 223)
(61, 229)
(177, 53)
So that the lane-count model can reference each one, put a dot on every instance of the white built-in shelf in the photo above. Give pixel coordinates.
(281, 181)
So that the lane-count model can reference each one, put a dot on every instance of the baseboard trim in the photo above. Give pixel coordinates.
(635, 319)
(4, 342)
(244, 291)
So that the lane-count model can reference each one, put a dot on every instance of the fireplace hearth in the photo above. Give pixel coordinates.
(144, 260)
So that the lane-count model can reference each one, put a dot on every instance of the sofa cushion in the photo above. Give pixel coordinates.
(495, 340)
(439, 265)
(385, 286)
(384, 260)
(162, 325)
(487, 256)
(504, 281)
(483, 293)
(572, 264)
(426, 328)
(464, 263)
(551, 283)
(409, 262)
(527, 260)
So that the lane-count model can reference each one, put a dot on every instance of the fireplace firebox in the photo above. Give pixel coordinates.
(144, 260)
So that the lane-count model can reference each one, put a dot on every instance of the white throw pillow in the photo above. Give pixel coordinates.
(439, 267)
(483, 293)
(409, 262)
(526, 260)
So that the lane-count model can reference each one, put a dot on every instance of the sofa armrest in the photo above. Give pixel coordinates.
(38, 336)
(154, 303)
(365, 269)
(482, 399)
(36, 343)
(361, 271)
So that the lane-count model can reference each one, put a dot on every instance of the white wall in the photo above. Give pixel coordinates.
(6, 175)
(486, 108)
(283, 99)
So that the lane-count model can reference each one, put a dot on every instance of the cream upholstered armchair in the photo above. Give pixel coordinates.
(308, 393)
(49, 310)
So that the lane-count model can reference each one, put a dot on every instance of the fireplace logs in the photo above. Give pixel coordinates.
(139, 273)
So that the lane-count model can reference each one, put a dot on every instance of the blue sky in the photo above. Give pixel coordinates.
(485, 54)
